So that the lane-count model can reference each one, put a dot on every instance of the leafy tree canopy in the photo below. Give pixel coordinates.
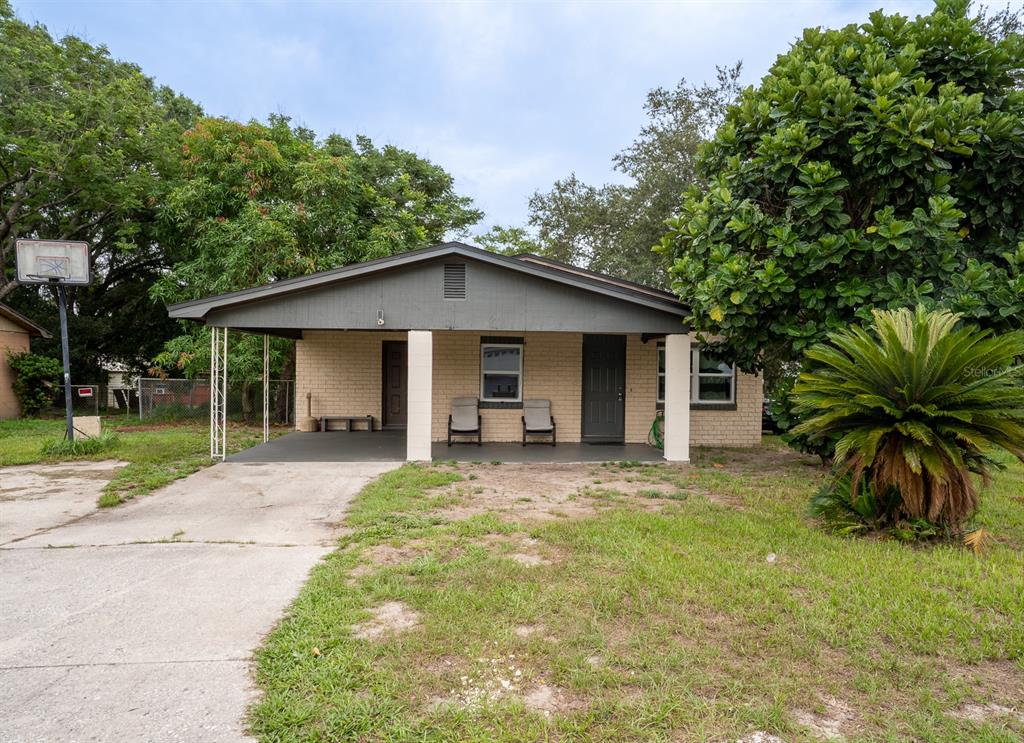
(89, 147)
(260, 202)
(509, 241)
(875, 166)
(611, 228)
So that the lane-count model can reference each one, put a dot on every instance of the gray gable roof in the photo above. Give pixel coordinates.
(452, 286)
(535, 266)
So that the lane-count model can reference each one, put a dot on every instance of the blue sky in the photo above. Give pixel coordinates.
(507, 97)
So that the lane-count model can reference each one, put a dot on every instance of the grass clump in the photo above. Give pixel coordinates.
(79, 447)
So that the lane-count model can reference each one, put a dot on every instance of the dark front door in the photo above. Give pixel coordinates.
(604, 387)
(396, 364)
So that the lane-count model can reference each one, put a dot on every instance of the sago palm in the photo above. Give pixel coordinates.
(920, 406)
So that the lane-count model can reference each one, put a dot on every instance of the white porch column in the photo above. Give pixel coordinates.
(419, 405)
(677, 398)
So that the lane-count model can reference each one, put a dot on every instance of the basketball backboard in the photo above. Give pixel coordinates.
(52, 262)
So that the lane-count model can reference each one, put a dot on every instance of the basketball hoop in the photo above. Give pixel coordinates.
(59, 264)
(53, 262)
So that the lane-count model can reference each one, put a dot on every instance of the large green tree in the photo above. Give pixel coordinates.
(260, 202)
(875, 166)
(88, 150)
(611, 228)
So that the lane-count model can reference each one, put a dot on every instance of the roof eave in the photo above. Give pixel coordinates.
(17, 318)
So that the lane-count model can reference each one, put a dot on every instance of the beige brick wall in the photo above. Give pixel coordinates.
(342, 370)
(551, 371)
(641, 388)
(14, 340)
(740, 427)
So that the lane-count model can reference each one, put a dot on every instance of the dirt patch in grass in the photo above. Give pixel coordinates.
(532, 492)
(1004, 676)
(550, 700)
(504, 676)
(763, 460)
(388, 619)
(386, 555)
(997, 688)
(830, 722)
(981, 713)
(520, 548)
(760, 736)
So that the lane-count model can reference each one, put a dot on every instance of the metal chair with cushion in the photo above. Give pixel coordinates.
(464, 420)
(537, 420)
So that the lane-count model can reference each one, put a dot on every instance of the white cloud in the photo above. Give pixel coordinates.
(499, 181)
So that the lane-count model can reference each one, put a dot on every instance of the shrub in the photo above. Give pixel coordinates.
(848, 513)
(35, 378)
(919, 406)
(845, 512)
(80, 446)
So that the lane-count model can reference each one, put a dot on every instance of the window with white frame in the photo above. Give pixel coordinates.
(712, 380)
(501, 372)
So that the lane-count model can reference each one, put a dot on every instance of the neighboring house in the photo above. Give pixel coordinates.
(15, 332)
(399, 337)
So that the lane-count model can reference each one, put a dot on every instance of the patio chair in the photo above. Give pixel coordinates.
(464, 420)
(537, 420)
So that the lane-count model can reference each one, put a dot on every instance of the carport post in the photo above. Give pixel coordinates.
(266, 388)
(218, 392)
(224, 399)
(677, 398)
(420, 385)
(214, 386)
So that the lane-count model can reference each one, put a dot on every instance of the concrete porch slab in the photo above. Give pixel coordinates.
(389, 446)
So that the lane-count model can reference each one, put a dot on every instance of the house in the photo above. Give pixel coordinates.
(15, 332)
(399, 337)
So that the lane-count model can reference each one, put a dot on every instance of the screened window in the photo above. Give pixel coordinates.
(711, 379)
(501, 372)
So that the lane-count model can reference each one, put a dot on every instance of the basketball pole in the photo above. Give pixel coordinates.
(62, 304)
(61, 264)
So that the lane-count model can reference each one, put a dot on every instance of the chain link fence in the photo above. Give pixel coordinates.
(178, 401)
(98, 399)
(188, 400)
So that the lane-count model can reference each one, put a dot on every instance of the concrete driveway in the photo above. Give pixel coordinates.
(138, 623)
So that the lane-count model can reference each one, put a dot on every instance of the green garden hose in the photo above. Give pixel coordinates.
(654, 438)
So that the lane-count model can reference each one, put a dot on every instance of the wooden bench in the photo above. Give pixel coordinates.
(326, 420)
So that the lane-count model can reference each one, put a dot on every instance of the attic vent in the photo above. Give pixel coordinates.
(454, 280)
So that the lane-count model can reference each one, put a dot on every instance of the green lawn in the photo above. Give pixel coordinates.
(156, 454)
(646, 623)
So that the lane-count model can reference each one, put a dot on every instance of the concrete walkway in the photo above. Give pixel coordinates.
(138, 623)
